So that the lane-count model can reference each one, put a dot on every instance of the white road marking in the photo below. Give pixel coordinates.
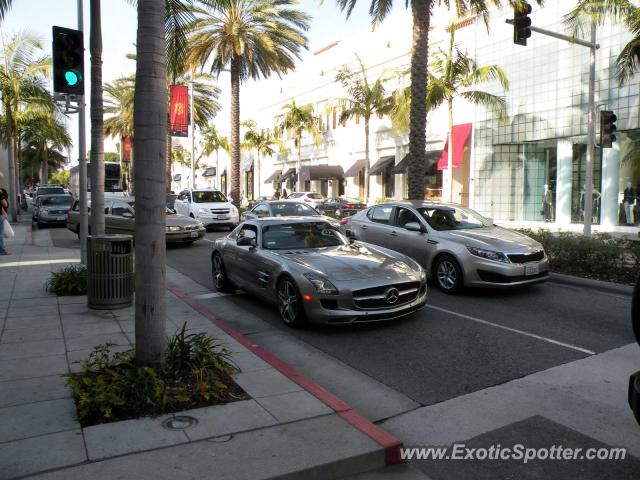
(514, 330)
(204, 296)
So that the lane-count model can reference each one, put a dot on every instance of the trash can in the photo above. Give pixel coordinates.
(110, 278)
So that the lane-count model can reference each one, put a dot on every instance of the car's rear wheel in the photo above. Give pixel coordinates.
(448, 274)
(290, 303)
(221, 282)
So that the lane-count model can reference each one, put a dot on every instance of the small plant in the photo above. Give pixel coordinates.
(111, 386)
(71, 280)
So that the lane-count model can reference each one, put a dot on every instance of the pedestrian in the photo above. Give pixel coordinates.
(284, 193)
(4, 217)
(277, 195)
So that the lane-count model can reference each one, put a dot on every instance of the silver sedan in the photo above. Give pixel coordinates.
(309, 269)
(456, 245)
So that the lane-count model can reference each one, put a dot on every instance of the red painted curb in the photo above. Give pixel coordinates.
(390, 443)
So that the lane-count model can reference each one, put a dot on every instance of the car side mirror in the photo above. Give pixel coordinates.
(413, 227)
(246, 242)
(127, 215)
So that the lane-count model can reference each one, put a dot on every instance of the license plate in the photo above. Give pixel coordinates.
(61, 218)
(531, 270)
(222, 217)
(194, 234)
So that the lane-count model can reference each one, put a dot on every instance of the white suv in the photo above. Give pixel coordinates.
(211, 207)
(310, 198)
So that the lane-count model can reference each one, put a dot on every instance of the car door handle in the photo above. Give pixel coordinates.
(363, 227)
(394, 234)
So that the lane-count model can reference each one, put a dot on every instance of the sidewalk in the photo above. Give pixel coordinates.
(290, 427)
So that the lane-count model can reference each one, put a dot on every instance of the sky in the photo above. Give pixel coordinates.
(119, 32)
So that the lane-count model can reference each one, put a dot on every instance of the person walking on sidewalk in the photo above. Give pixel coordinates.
(4, 217)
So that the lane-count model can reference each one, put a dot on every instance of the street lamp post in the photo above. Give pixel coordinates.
(82, 162)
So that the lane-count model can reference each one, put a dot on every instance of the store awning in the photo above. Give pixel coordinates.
(248, 165)
(355, 168)
(430, 158)
(460, 137)
(209, 172)
(381, 164)
(177, 177)
(321, 172)
(273, 177)
(289, 173)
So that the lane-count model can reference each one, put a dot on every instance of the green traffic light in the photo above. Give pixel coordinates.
(71, 77)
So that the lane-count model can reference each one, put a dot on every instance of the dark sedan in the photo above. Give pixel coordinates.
(341, 207)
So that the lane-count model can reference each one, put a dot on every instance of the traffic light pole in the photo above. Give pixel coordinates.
(591, 131)
(82, 162)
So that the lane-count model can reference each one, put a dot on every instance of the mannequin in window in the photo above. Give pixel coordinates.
(546, 203)
(629, 200)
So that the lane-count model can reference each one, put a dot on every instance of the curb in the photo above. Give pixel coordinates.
(388, 442)
(609, 287)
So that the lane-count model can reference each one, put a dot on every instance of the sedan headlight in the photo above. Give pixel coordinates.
(173, 228)
(488, 254)
(234, 209)
(423, 275)
(321, 284)
(202, 210)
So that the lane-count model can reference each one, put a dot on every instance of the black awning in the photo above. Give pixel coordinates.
(430, 158)
(355, 168)
(381, 164)
(273, 177)
(209, 172)
(321, 172)
(177, 177)
(248, 165)
(289, 173)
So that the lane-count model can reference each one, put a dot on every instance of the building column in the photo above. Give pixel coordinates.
(563, 182)
(610, 185)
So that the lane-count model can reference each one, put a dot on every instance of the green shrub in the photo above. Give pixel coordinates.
(600, 257)
(112, 387)
(71, 280)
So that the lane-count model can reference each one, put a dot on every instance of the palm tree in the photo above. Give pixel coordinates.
(150, 127)
(23, 78)
(210, 142)
(453, 75)
(421, 13)
(97, 121)
(365, 99)
(264, 145)
(5, 6)
(252, 39)
(295, 121)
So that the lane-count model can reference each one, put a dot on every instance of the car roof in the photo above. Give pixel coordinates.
(56, 195)
(419, 204)
(286, 202)
(285, 220)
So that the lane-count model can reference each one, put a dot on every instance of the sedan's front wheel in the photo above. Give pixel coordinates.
(448, 274)
(221, 282)
(290, 303)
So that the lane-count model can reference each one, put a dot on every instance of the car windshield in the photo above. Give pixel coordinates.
(288, 209)
(58, 200)
(50, 190)
(208, 196)
(287, 236)
(452, 218)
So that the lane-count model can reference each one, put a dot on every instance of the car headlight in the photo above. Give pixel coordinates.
(488, 254)
(173, 229)
(234, 209)
(202, 210)
(423, 275)
(321, 284)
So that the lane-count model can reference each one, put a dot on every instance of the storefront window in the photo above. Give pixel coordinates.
(629, 174)
(578, 184)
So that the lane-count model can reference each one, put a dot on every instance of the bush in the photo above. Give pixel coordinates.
(71, 280)
(111, 386)
(600, 257)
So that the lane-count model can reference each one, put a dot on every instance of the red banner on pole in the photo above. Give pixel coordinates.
(179, 113)
(126, 149)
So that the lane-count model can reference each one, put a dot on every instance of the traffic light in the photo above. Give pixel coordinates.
(68, 61)
(607, 128)
(521, 23)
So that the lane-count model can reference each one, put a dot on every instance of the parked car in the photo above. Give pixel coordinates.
(341, 206)
(310, 271)
(51, 209)
(280, 208)
(456, 245)
(171, 201)
(312, 198)
(52, 189)
(209, 206)
(253, 203)
(119, 217)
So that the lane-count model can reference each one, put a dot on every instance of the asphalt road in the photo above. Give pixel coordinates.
(458, 344)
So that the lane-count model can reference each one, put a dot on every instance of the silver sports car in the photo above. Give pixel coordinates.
(456, 245)
(311, 271)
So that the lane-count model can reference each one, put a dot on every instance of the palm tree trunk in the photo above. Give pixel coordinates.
(218, 186)
(450, 153)
(256, 176)
(168, 176)
(366, 161)
(150, 127)
(45, 166)
(97, 122)
(421, 10)
(298, 177)
(13, 212)
(235, 131)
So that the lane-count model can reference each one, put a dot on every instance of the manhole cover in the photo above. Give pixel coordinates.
(180, 422)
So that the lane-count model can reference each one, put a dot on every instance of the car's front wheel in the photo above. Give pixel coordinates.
(290, 303)
(221, 282)
(448, 274)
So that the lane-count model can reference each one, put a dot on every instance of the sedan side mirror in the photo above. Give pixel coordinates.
(413, 227)
(246, 242)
